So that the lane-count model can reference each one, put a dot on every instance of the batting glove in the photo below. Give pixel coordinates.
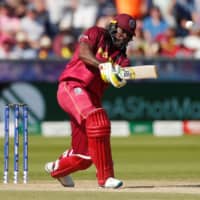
(105, 71)
(109, 74)
(124, 73)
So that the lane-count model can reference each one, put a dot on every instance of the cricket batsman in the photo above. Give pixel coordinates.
(97, 62)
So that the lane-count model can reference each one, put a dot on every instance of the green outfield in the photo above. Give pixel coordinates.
(151, 167)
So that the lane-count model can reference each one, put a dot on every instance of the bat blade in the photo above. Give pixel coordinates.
(140, 72)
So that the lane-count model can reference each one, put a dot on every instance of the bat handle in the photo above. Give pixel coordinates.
(129, 74)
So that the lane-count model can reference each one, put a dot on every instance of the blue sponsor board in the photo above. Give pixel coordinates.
(170, 70)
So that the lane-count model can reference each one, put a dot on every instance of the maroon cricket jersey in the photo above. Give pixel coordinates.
(89, 76)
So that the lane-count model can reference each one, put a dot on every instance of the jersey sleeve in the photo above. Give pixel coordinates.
(91, 36)
(125, 62)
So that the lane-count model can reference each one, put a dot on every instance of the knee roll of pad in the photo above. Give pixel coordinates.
(98, 123)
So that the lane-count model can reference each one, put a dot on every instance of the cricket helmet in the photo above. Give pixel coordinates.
(124, 21)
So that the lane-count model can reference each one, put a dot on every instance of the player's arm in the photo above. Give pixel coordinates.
(107, 70)
(87, 56)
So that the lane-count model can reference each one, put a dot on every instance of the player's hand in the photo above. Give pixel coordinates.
(119, 70)
(124, 73)
(111, 75)
(105, 71)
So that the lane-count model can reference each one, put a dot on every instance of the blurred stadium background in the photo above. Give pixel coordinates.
(37, 38)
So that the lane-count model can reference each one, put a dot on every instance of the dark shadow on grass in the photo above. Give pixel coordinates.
(139, 186)
(162, 186)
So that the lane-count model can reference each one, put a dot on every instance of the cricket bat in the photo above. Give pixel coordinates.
(140, 72)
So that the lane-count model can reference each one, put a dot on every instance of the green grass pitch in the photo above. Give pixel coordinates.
(137, 158)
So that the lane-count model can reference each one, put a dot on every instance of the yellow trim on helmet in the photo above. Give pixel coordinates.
(113, 21)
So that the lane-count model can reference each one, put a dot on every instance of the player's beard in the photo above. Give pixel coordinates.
(120, 44)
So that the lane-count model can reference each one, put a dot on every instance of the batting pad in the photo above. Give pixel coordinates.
(68, 165)
(98, 131)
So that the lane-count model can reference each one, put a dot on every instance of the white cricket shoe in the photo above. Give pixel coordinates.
(112, 183)
(49, 167)
(66, 181)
